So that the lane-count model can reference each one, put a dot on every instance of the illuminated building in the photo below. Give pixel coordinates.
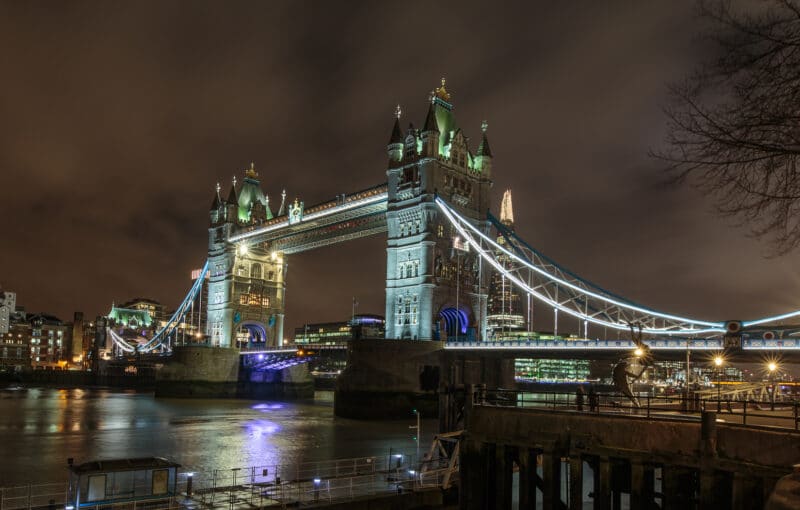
(15, 347)
(552, 369)
(48, 340)
(152, 307)
(504, 313)
(8, 303)
(361, 326)
(131, 318)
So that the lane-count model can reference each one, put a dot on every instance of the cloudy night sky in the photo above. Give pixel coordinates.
(117, 119)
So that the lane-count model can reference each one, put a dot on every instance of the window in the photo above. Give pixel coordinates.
(160, 479)
(271, 275)
(255, 271)
(97, 486)
(241, 271)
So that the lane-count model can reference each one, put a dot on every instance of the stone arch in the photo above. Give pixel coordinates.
(251, 333)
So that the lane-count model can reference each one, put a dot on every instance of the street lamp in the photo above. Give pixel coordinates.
(772, 366)
(718, 362)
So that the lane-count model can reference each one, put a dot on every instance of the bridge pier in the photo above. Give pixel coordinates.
(199, 371)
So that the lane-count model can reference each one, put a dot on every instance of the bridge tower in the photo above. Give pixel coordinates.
(435, 287)
(246, 280)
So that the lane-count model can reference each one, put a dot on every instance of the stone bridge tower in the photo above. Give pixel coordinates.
(435, 287)
(246, 280)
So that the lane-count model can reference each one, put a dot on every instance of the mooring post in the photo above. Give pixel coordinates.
(575, 482)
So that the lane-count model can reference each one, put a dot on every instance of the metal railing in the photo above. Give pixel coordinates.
(784, 414)
(303, 484)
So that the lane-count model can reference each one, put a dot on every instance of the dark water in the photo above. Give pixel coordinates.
(41, 427)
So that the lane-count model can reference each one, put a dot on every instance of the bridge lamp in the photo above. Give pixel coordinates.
(243, 249)
(638, 352)
(274, 255)
(772, 366)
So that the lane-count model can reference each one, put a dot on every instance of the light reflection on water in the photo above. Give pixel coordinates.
(40, 428)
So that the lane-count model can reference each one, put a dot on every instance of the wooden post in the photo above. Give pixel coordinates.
(575, 482)
(638, 488)
(603, 494)
(472, 493)
(503, 477)
(551, 473)
(527, 476)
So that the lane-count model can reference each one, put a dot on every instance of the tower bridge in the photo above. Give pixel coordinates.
(433, 208)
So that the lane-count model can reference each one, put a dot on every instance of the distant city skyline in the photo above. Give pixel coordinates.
(120, 120)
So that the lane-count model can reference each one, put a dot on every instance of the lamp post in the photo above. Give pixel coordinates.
(772, 366)
(718, 362)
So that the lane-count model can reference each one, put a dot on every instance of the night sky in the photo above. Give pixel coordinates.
(117, 119)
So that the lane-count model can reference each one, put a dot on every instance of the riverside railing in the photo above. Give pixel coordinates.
(305, 484)
(784, 414)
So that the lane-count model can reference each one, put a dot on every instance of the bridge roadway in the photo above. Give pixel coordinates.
(752, 350)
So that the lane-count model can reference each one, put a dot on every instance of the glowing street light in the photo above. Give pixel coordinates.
(718, 361)
(772, 367)
(638, 352)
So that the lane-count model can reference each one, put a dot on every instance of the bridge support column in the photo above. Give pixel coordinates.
(642, 485)
(502, 477)
(575, 482)
(473, 466)
(601, 470)
(551, 475)
(527, 479)
(677, 487)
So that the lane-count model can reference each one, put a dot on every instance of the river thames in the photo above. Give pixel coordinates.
(40, 428)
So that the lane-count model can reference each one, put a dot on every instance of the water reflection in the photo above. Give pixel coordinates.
(40, 428)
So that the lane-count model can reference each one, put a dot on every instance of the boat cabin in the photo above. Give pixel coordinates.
(112, 482)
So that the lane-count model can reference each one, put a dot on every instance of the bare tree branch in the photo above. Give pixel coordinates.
(733, 128)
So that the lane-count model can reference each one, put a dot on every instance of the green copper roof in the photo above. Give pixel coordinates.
(248, 195)
(131, 318)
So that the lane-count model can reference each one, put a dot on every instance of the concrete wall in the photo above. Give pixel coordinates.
(676, 441)
(382, 379)
(197, 371)
(703, 464)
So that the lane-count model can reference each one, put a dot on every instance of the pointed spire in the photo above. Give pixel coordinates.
(431, 124)
(483, 148)
(232, 200)
(282, 209)
(217, 199)
(506, 211)
(397, 133)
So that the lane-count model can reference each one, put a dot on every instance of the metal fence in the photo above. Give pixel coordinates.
(783, 414)
(304, 484)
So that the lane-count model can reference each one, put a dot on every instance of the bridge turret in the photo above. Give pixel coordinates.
(216, 212)
(430, 132)
(434, 287)
(253, 205)
(395, 145)
(483, 158)
(231, 204)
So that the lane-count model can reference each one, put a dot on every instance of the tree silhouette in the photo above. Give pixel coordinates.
(734, 124)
